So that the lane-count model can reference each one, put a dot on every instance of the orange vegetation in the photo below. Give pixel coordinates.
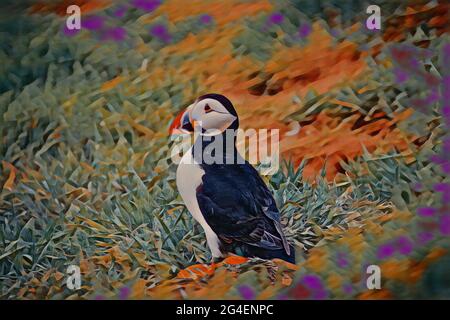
(223, 12)
(60, 7)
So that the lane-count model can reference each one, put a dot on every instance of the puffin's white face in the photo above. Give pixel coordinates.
(211, 116)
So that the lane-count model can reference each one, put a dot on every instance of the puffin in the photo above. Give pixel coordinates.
(226, 196)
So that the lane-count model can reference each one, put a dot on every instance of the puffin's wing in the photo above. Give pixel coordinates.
(238, 206)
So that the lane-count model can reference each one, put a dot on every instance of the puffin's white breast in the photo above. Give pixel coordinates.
(189, 178)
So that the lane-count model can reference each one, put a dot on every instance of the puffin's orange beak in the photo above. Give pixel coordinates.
(181, 124)
(176, 124)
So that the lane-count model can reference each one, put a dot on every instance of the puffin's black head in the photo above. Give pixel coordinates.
(222, 99)
(215, 111)
(211, 112)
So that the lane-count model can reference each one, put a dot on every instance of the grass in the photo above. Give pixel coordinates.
(87, 179)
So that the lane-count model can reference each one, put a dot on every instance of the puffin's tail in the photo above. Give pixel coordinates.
(252, 251)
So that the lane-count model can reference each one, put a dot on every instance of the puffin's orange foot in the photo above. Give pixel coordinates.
(233, 260)
(197, 271)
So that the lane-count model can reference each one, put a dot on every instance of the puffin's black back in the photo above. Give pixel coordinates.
(240, 209)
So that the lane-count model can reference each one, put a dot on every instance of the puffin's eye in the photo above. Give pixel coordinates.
(207, 108)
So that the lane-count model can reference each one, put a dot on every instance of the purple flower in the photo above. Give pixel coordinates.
(276, 18)
(246, 292)
(335, 32)
(441, 187)
(120, 11)
(425, 102)
(146, 5)
(425, 237)
(445, 189)
(432, 97)
(447, 51)
(304, 30)
(404, 245)
(92, 22)
(159, 31)
(446, 111)
(426, 211)
(444, 225)
(437, 159)
(446, 197)
(313, 282)
(68, 32)
(446, 146)
(347, 288)
(445, 167)
(205, 18)
(400, 76)
(124, 292)
(342, 261)
(320, 295)
(385, 251)
(116, 34)
(414, 62)
(446, 87)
